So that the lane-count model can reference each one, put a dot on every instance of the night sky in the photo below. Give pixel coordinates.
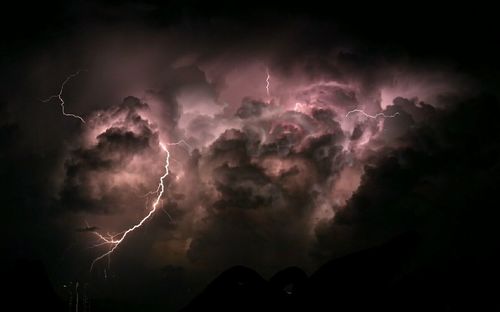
(241, 133)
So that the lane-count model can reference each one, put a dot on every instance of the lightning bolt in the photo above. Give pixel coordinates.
(267, 81)
(115, 240)
(61, 100)
(371, 116)
(190, 148)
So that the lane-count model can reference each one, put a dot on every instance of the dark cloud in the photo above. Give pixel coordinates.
(86, 185)
(263, 180)
(432, 187)
(251, 206)
(250, 108)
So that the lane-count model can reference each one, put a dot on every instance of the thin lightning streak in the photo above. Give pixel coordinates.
(168, 214)
(190, 148)
(267, 81)
(151, 192)
(59, 97)
(111, 239)
(371, 116)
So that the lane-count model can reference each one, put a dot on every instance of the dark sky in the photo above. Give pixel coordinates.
(268, 179)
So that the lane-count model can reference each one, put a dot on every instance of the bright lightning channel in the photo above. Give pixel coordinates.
(61, 100)
(268, 77)
(371, 116)
(112, 240)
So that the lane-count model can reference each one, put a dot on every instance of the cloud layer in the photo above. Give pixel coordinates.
(292, 174)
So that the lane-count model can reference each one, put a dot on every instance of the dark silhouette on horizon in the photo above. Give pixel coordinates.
(380, 278)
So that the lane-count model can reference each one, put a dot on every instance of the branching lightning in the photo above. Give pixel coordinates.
(371, 116)
(61, 100)
(113, 241)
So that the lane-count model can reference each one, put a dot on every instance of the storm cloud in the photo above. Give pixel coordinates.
(292, 144)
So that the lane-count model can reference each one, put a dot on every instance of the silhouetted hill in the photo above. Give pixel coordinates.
(357, 281)
(383, 278)
(236, 289)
